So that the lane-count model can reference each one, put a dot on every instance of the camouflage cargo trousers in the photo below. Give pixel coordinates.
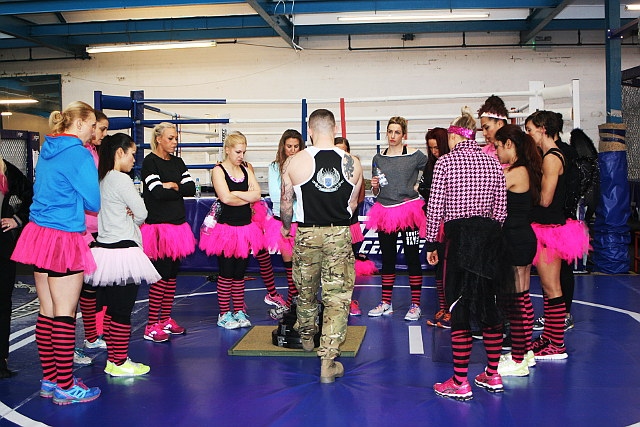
(322, 256)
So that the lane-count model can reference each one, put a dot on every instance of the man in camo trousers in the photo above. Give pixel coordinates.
(325, 181)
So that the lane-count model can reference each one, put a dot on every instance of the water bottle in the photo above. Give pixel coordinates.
(198, 188)
(382, 179)
(138, 184)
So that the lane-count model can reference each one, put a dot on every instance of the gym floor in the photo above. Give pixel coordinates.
(193, 382)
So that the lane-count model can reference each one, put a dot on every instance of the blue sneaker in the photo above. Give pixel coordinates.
(46, 388)
(242, 320)
(227, 321)
(79, 393)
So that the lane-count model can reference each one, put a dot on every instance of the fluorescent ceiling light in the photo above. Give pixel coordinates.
(18, 101)
(149, 46)
(6, 113)
(411, 18)
(635, 6)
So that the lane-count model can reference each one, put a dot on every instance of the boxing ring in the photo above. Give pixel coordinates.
(202, 125)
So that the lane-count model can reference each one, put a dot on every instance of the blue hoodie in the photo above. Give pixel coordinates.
(66, 184)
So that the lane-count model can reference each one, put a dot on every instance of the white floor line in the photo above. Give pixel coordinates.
(416, 346)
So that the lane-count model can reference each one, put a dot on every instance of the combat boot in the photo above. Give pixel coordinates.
(307, 343)
(329, 370)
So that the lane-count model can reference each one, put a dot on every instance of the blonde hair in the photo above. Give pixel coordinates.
(157, 132)
(466, 120)
(234, 138)
(3, 166)
(397, 120)
(60, 121)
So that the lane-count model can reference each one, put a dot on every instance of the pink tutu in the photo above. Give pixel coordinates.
(167, 240)
(273, 239)
(365, 268)
(51, 249)
(260, 213)
(232, 241)
(121, 266)
(391, 219)
(567, 242)
(356, 233)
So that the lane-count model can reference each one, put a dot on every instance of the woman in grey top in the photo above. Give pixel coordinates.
(398, 209)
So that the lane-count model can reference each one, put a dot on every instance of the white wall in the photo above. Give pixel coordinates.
(327, 69)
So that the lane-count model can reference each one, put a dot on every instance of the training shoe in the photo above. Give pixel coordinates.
(436, 317)
(382, 309)
(98, 343)
(128, 369)
(568, 322)
(109, 366)
(414, 313)
(491, 383)
(551, 352)
(445, 321)
(242, 320)
(529, 357)
(79, 358)
(354, 308)
(227, 321)
(507, 367)
(538, 324)
(278, 301)
(278, 312)
(79, 393)
(450, 389)
(47, 388)
(170, 326)
(539, 344)
(155, 333)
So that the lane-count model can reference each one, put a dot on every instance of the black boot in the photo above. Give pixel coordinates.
(4, 370)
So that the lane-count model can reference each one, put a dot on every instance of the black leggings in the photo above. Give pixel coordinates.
(411, 242)
(120, 301)
(232, 268)
(166, 267)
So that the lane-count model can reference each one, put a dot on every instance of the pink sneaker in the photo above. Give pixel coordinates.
(278, 301)
(354, 308)
(492, 383)
(155, 333)
(450, 389)
(170, 326)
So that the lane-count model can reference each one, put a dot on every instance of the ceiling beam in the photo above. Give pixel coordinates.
(540, 18)
(19, 7)
(280, 24)
(20, 29)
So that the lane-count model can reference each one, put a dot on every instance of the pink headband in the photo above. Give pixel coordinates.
(464, 132)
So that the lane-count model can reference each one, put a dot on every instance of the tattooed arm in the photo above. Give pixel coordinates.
(352, 170)
(286, 199)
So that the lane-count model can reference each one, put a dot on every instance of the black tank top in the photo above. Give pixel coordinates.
(554, 213)
(324, 198)
(518, 210)
(235, 215)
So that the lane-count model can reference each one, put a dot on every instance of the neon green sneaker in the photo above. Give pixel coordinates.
(128, 369)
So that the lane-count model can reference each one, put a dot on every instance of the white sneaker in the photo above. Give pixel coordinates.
(508, 367)
(79, 358)
(529, 357)
(382, 309)
(227, 321)
(98, 343)
(414, 313)
(241, 318)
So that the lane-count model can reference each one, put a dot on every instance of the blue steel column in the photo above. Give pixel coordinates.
(137, 130)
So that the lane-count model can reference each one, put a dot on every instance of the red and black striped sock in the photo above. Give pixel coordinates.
(461, 343)
(237, 294)
(167, 299)
(224, 294)
(528, 321)
(88, 309)
(44, 326)
(106, 327)
(492, 338)
(119, 336)
(442, 302)
(156, 291)
(554, 321)
(63, 337)
(387, 287)
(266, 271)
(293, 291)
(517, 317)
(415, 284)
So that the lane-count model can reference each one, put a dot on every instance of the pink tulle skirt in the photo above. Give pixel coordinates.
(356, 233)
(567, 242)
(391, 219)
(52, 249)
(121, 266)
(260, 213)
(273, 239)
(167, 240)
(366, 268)
(232, 241)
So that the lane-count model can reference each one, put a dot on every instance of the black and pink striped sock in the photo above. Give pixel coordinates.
(293, 291)
(554, 321)
(442, 302)
(517, 314)
(415, 284)
(266, 271)
(461, 343)
(528, 321)
(44, 326)
(237, 294)
(492, 338)
(88, 309)
(224, 294)
(63, 337)
(119, 336)
(387, 287)
(156, 291)
(167, 299)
